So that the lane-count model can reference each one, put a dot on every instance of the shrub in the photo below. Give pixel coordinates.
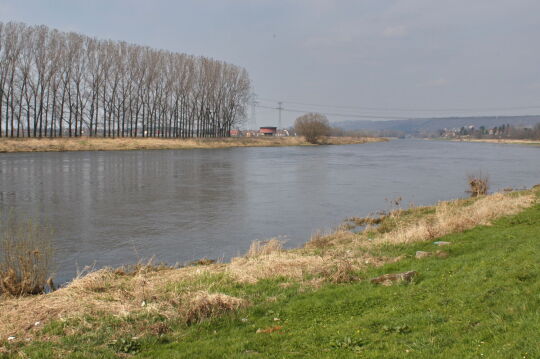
(25, 258)
(312, 126)
(478, 184)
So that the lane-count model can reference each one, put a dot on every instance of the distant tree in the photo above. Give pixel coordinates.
(312, 126)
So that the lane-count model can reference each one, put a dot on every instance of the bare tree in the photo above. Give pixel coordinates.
(312, 126)
(65, 84)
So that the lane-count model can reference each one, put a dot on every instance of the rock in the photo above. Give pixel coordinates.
(389, 279)
(10, 338)
(422, 254)
(441, 254)
(441, 243)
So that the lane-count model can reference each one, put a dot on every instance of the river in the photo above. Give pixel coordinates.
(114, 208)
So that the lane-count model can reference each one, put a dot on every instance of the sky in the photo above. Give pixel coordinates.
(349, 59)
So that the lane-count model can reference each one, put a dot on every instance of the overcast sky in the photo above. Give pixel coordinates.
(380, 57)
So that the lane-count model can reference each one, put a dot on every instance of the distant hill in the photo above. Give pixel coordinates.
(423, 126)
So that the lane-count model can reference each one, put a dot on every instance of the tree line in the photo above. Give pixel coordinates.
(64, 84)
(504, 131)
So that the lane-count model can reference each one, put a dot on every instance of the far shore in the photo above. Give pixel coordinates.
(496, 140)
(123, 144)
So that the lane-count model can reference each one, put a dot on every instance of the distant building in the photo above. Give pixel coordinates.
(268, 131)
(235, 133)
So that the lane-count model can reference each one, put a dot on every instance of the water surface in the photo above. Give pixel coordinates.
(113, 208)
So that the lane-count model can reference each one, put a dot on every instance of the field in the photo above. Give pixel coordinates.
(124, 144)
(473, 297)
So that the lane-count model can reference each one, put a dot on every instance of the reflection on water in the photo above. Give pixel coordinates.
(117, 207)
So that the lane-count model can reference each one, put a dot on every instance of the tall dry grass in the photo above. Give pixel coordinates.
(26, 258)
(453, 217)
(123, 144)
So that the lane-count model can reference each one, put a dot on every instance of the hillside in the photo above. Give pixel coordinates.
(432, 125)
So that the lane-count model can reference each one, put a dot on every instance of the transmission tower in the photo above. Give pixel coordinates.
(253, 119)
(280, 108)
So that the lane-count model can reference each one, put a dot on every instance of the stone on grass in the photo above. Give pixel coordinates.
(389, 279)
(422, 254)
(439, 254)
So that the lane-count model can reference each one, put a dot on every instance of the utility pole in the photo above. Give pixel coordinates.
(280, 108)
(254, 103)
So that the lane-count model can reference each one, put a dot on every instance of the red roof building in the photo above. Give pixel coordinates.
(268, 131)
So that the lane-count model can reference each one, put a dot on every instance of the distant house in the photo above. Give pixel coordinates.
(235, 133)
(268, 131)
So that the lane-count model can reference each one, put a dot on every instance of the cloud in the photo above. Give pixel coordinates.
(395, 31)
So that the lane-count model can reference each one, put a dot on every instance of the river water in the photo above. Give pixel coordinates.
(113, 208)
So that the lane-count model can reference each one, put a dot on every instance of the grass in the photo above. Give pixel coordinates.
(481, 300)
(123, 144)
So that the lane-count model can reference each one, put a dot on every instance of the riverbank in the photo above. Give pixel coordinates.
(125, 144)
(505, 141)
(474, 294)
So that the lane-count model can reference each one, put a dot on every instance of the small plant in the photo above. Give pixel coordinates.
(400, 329)
(347, 343)
(126, 346)
(25, 258)
(478, 184)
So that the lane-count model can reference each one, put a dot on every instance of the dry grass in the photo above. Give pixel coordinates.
(344, 271)
(193, 293)
(452, 217)
(259, 248)
(205, 305)
(113, 144)
(25, 258)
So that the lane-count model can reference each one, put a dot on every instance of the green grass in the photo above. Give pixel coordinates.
(483, 301)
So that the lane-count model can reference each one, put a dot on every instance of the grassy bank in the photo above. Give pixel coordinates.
(475, 297)
(123, 144)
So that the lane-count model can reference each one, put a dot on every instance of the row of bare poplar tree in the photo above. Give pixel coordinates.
(55, 84)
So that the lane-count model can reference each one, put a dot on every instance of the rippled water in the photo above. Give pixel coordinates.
(113, 208)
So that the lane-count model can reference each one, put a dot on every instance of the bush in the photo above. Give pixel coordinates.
(312, 126)
(478, 185)
(25, 258)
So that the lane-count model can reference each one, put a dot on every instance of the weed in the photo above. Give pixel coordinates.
(478, 184)
(25, 258)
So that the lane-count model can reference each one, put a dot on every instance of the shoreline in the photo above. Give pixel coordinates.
(340, 257)
(493, 140)
(130, 144)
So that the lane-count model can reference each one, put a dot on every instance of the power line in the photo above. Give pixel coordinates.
(280, 108)
(389, 109)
